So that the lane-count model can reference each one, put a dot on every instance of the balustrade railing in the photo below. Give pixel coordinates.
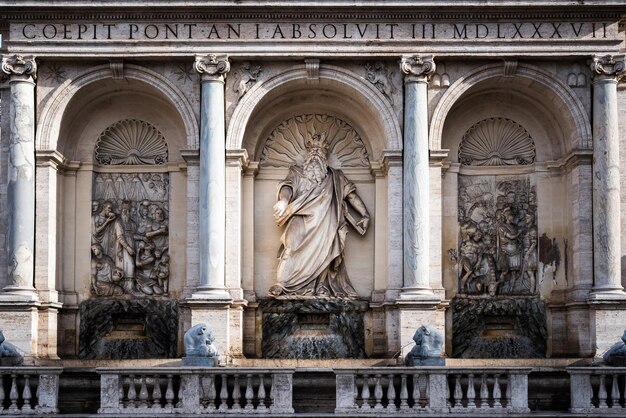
(195, 390)
(598, 390)
(29, 390)
(431, 390)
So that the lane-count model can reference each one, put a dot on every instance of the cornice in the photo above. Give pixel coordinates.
(302, 14)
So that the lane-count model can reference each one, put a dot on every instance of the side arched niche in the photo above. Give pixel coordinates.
(343, 99)
(545, 176)
(138, 116)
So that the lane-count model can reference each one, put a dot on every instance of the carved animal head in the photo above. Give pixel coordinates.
(199, 340)
(428, 341)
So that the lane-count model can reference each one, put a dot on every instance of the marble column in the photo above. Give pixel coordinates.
(212, 177)
(416, 69)
(606, 179)
(21, 175)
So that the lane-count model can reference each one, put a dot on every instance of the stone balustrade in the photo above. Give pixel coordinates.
(432, 390)
(29, 390)
(598, 391)
(195, 390)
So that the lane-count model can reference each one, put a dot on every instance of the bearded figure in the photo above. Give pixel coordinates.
(316, 202)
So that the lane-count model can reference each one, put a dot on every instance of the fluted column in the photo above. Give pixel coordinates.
(22, 71)
(212, 176)
(606, 72)
(416, 69)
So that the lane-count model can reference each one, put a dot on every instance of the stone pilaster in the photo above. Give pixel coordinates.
(606, 179)
(212, 177)
(416, 69)
(22, 72)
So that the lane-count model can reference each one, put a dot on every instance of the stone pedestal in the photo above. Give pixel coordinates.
(414, 314)
(608, 322)
(198, 361)
(216, 315)
(20, 321)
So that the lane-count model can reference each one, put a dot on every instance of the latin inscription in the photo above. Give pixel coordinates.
(141, 31)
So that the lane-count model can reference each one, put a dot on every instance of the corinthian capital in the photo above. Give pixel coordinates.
(19, 65)
(212, 66)
(608, 67)
(417, 67)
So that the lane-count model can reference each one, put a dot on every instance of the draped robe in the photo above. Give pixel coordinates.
(311, 261)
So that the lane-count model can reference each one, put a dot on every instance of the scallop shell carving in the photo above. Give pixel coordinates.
(496, 141)
(131, 142)
(285, 145)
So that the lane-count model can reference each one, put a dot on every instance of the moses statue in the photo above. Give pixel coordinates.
(316, 203)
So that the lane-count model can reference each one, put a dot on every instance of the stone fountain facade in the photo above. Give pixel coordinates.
(476, 157)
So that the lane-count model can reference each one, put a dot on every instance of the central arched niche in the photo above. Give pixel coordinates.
(284, 104)
(544, 120)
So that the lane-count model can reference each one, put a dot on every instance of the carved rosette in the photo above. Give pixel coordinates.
(608, 67)
(131, 142)
(285, 145)
(417, 67)
(212, 67)
(19, 65)
(496, 142)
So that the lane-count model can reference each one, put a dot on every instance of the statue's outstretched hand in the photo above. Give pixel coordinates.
(279, 208)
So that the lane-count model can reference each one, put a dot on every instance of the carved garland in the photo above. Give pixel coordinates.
(131, 142)
(495, 142)
(285, 144)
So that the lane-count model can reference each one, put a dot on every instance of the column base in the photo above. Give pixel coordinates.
(419, 294)
(211, 294)
(608, 294)
(17, 293)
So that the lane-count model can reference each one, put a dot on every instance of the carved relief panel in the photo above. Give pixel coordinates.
(130, 214)
(497, 253)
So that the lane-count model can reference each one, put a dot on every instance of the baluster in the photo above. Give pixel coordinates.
(13, 394)
(508, 391)
(365, 393)
(391, 394)
(448, 403)
(378, 393)
(210, 395)
(249, 395)
(615, 393)
(224, 394)
(2, 397)
(458, 391)
(497, 394)
(143, 393)
(417, 396)
(602, 393)
(236, 394)
(156, 393)
(120, 392)
(261, 394)
(169, 393)
(404, 394)
(132, 392)
(26, 394)
(484, 391)
(471, 391)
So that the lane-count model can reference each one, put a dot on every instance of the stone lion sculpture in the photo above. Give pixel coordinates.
(199, 342)
(428, 342)
(616, 355)
(9, 351)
